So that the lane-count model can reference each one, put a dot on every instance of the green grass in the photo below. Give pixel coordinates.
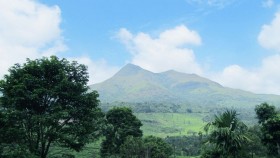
(170, 124)
(90, 150)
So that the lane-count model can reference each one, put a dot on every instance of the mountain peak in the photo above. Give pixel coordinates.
(129, 69)
(131, 66)
(170, 71)
(135, 84)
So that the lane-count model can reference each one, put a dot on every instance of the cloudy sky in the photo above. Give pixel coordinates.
(233, 42)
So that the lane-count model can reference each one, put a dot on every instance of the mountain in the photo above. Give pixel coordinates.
(133, 84)
(173, 103)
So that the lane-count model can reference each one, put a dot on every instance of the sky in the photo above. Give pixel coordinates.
(233, 42)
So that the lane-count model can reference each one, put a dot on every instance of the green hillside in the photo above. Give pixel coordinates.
(135, 85)
(170, 124)
(155, 97)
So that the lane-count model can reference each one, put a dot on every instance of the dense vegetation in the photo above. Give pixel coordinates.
(227, 134)
(269, 120)
(121, 124)
(46, 102)
(47, 110)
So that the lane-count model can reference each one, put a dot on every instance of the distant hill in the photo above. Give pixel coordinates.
(173, 103)
(133, 84)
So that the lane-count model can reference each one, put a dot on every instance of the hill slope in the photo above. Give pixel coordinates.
(173, 103)
(135, 85)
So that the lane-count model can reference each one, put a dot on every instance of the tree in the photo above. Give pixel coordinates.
(269, 119)
(227, 134)
(149, 147)
(186, 145)
(121, 124)
(264, 112)
(157, 148)
(133, 147)
(255, 146)
(47, 101)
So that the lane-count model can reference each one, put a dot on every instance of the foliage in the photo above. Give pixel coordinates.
(227, 134)
(255, 146)
(45, 102)
(212, 152)
(264, 112)
(269, 119)
(121, 123)
(15, 150)
(149, 147)
(187, 145)
(157, 148)
(133, 147)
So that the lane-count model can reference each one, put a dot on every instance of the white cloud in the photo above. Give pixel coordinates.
(268, 3)
(269, 36)
(98, 70)
(264, 79)
(28, 29)
(168, 51)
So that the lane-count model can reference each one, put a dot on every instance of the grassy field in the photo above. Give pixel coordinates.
(90, 150)
(170, 124)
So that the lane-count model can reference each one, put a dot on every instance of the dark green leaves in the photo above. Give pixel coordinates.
(48, 101)
(269, 119)
(121, 124)
(227, 133)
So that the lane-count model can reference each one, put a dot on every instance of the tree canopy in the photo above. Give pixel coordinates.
(121, 124)
(269, 119)
(46, 101)
(157, 147)
(133, 147)
(227, 134)
(150, 147)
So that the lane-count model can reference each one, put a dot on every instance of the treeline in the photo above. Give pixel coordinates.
(150, 107)
(46, 104)
(245, 113)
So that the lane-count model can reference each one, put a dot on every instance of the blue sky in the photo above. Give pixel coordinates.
(227, 30)
(233, 42)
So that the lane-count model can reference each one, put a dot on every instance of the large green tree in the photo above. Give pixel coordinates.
(47, 101)
(255, 146)
(269, 119)
(121, 124)
(157, 148)
(227, 134)
(133, 147)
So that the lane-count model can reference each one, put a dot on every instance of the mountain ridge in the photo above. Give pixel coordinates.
(135, 84)
(173, 103)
